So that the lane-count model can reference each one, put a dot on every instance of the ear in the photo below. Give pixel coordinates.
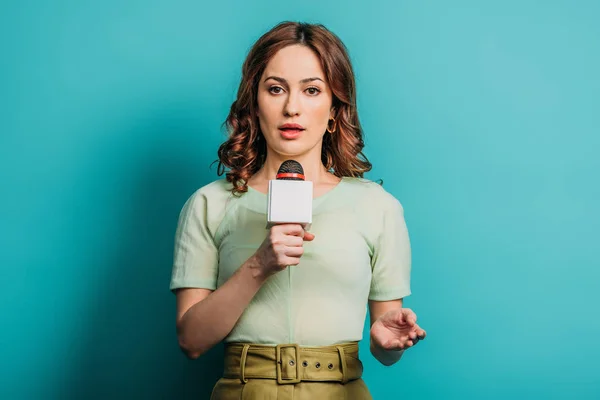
(332, 113)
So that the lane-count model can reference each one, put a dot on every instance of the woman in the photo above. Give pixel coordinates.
(290, 304)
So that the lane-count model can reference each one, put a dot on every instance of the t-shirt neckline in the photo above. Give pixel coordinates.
(257, 200)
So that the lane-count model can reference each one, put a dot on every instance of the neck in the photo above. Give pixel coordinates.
(314, 170)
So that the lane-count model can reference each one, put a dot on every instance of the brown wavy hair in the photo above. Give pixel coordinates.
(244, 152)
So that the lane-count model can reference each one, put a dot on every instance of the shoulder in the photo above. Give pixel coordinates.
(216, 192)
(371, 194)
(208, 203)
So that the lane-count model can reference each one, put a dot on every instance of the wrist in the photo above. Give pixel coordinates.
(385, 357)
(379, 349)
(256, 269)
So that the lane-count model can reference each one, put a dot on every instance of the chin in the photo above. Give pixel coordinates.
(291, 147)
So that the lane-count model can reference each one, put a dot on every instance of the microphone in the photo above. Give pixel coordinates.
(290, 197)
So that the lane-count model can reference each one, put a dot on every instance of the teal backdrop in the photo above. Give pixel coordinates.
(481, 117)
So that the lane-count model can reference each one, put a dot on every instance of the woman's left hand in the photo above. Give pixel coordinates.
(396, 330)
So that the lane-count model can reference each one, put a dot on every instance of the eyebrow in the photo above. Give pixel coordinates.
(305, 80)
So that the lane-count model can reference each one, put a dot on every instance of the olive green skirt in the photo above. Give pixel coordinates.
(291, 372)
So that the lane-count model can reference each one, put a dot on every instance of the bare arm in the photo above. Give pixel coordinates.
(205, 317)
(393, 330)
(376, 310)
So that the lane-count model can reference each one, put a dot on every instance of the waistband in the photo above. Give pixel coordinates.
(291, 363)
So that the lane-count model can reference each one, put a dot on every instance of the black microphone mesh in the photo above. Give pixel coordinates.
(291, 166)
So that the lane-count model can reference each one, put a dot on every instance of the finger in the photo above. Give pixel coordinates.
(394, 345)
(404, 317)
(419, 331)
(293, 241)
(294, 251)
(291, 261)
(295, 230)
(291, 229)
(399, 345)
(400, 318)
(415, 337)
(411, 317)
(308, 236)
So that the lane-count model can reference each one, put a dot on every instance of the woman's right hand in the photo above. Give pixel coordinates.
(283, 246)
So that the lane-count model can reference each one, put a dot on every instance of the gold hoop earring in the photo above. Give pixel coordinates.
(334, 125)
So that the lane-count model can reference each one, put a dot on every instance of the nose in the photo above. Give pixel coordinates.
(292, 105)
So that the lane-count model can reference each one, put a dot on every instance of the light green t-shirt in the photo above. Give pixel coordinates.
(361, 251)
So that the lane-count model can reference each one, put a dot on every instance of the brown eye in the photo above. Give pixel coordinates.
(273, 88)
(313, 91)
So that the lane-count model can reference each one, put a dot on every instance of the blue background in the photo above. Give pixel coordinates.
(481, 117)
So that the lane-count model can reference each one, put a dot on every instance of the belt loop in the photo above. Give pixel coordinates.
(243, 364)
(343, 365)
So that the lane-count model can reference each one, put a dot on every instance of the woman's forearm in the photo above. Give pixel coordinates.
(209, 321)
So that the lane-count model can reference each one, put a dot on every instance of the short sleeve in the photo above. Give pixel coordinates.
(391, 259)
(195, 258)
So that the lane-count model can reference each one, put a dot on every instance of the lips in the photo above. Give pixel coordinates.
(291, 131)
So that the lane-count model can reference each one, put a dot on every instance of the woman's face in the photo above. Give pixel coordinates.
(293, 90)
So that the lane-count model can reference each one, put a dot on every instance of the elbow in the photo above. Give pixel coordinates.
(191, 352)
(187, 345)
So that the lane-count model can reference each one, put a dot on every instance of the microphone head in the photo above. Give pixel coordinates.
(290, 170)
